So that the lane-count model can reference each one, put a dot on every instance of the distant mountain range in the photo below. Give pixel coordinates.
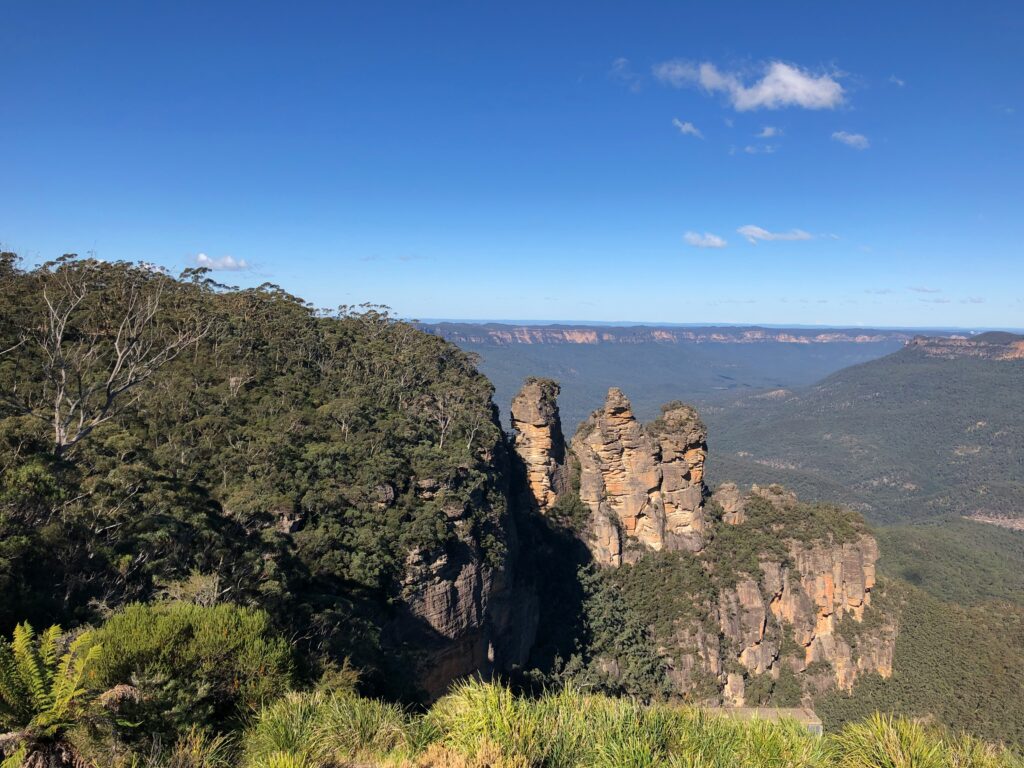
(502, 334)
(656, 364)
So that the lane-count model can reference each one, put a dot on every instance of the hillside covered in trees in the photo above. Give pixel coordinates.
(933, 430)
(166, 438)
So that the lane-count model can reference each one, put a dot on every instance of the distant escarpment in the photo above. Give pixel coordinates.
(738, 597)
(994, 345)
(501, 334)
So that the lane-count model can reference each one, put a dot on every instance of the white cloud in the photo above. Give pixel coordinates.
(687, 128)
(224, 263)
(760, 149)
(753, 234)
(924, 289)
(896, 81)
(855, 140)
(769, 131)
(781, 85)
(707, 240)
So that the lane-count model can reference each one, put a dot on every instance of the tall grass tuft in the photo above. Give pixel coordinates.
(319, 729)
(884, 741)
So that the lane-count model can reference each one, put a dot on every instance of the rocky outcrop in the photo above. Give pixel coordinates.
(732, 503)
(805, 609)
(644, 484)
(796, 607)
(539, 442)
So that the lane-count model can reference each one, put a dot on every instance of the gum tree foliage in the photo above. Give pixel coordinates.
(153, 428)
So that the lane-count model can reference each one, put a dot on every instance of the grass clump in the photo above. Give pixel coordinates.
(320, 729)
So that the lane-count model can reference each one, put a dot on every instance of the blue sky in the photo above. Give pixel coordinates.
(789, 162)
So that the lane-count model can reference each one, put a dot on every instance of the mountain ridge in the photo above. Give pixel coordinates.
(499, 334)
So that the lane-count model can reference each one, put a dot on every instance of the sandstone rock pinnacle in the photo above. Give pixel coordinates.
(539, 441)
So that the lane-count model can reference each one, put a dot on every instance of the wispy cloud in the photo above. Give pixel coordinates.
(769, 132)
(622, 71)
(707, 240)
(879, 291)
(687, 128)
(780, 85)
(935, 301)
(973, 300)
(760, 149)
(222, 264)
(923, 289)
(754, 233)
(896, 81)
(855, 140)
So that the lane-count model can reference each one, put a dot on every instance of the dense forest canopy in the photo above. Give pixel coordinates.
(178, 437)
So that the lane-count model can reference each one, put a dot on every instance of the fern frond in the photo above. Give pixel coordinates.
(15, 700)
(48, 648)
(30, 665)
(68, 685)
(16, 759)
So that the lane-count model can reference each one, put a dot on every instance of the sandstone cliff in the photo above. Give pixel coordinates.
(501, 334)
(782, 589)
(463, 612)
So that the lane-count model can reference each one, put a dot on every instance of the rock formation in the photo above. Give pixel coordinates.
(731, 500)
(795, 611)
(643, 483)
(796, 608)
(539, 441)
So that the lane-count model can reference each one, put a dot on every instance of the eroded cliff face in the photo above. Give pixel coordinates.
(802, 614)
(644, 484)
(797, 609)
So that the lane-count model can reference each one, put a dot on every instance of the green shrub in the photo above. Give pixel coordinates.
(192, 665)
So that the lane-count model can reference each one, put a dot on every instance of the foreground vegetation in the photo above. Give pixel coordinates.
(60, 715)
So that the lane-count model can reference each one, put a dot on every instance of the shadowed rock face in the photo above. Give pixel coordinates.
(539, 441)
(643, 483)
